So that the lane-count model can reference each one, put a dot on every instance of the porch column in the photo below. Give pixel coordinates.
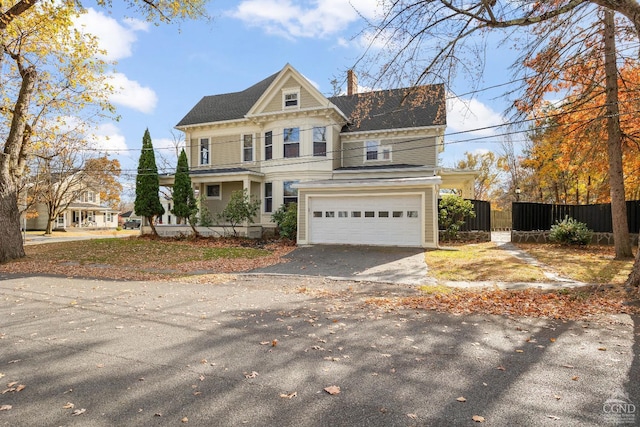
(246, 185)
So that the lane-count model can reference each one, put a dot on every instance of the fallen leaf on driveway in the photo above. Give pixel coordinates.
(478, 418)
(264, 342)
(68, 405)
(501, 368)
(557, 397)
(5, 407)
(253, 374)
(185, 420)
(553, 417)
(519, 351)
(602, 348)
(575, 378)
(289, 395)
(79, 412)
(334, 389)
(412, 416)
(461, 399)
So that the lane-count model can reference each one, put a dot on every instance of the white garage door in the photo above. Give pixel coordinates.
(371, 220)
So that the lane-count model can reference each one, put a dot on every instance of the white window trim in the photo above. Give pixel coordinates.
(290, 91)
(200, 151)
(253, 148)
(219, 197)
(381, 150)
(264, 143)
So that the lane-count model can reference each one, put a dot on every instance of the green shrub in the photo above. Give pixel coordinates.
(570, 232)
(241, 208)
(451, 214)
(286, 217)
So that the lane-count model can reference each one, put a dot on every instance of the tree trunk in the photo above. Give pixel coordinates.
(151, 220)
(12, 160)
(12, 245)
(633, 281)
(614, 143)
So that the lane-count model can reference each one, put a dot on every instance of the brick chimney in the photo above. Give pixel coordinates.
(352, 83)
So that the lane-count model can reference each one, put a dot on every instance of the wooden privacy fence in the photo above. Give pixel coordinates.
(501, 220)
(482, 220)
(541, 216)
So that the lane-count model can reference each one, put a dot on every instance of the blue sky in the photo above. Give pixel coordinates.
(163, 71)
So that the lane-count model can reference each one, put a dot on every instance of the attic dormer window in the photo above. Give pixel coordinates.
(291, 98)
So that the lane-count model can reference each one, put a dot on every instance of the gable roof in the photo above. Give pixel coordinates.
(379, 110)
(395, 108)
(227, 106)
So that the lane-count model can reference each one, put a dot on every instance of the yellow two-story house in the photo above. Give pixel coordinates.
(363, 167)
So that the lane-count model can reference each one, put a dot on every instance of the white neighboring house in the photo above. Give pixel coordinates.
(362, 167)
(84, 210)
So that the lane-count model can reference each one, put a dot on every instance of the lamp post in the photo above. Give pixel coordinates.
(518, 191)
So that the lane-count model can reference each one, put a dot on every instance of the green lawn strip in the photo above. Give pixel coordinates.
(136, 252)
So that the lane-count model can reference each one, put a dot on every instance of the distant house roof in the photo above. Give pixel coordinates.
(386, 109)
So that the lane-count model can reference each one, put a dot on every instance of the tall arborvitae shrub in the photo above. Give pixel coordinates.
(185, 204)
(147, 203)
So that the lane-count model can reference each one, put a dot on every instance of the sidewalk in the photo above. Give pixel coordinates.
(38, 237)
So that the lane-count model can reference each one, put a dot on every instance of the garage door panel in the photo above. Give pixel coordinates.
(341, 226)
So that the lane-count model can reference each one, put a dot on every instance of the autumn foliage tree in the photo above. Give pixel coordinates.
(435, 39)
(50, 70)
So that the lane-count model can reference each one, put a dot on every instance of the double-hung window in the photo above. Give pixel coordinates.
(247, 148)
(268, 145)
(291, 139)
(290, 99)
(204, 151)
(213, 191)
(319, 141)
(374, 151)
(268, 197)
(290, 194)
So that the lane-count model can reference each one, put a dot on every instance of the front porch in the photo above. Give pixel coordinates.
(213, 189)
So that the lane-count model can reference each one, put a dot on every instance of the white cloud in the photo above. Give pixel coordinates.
(130, 93)
(116, 38)
(107, 138)
(472, 117)
(319, 18)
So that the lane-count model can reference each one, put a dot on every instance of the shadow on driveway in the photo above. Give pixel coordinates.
(363, 263)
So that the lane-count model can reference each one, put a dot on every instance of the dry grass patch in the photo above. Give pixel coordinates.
(480, 262)
(142, 258)
(589, 264)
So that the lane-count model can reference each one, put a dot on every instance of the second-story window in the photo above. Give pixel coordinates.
(247, 148)
(204, 151)
(268, 145)
(291, 138)
(374, 151)
(320, 141)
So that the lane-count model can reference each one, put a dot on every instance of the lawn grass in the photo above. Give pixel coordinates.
(589, 264)
(480, 262)
(128, 252)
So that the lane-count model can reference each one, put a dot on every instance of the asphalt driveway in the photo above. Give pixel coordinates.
(360, 263)
(261, 350)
